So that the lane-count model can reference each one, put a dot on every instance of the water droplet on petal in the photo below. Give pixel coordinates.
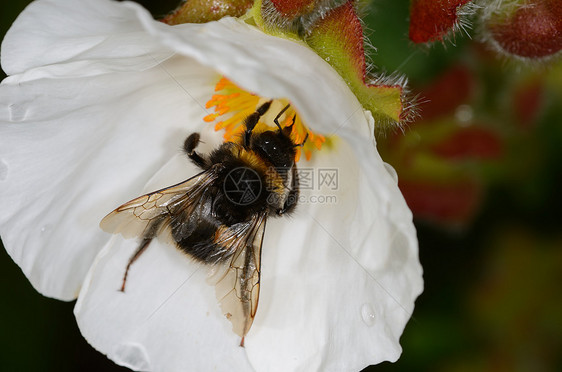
(3, 170)
(133, 356)
(368, 314)
(45, 229)
(17, 112)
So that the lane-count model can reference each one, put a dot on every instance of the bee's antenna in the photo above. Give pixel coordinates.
(276, 120)
(264, 107)
(253, 119)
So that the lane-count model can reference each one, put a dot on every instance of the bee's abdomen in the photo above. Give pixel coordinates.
(199, 243)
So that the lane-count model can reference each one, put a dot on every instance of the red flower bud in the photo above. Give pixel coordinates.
(532, 30)
(432, 20)
(293, 8)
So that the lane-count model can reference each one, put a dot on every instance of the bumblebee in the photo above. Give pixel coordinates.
(218, 216)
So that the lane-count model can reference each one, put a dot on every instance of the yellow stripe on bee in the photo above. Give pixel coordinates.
(274, 180)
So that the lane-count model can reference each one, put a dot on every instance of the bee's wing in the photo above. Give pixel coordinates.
(139, 216)
(237, 281)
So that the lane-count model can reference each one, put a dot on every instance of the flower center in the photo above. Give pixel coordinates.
(232, 105)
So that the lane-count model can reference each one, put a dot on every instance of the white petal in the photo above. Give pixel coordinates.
(339, 279)
(166, 320)
(74, 149)
(90, 38)
(270, 66)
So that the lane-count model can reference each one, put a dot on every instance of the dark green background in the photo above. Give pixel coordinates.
(40, 334)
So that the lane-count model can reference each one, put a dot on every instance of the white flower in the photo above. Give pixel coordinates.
(98, 102)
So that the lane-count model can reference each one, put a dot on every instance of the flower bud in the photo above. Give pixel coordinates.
(530, 29)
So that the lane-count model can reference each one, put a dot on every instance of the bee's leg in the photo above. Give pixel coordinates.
(290, 203)
(140, 250)
(292, 197)
(252, 120)
(189, 146)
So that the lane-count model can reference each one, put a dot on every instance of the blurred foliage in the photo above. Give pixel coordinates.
(491, 299)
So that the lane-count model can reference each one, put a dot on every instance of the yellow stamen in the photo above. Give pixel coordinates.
(233, 104)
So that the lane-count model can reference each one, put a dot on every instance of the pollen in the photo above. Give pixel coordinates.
(232, 105)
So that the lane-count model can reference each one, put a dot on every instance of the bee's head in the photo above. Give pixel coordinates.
(276, 147)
